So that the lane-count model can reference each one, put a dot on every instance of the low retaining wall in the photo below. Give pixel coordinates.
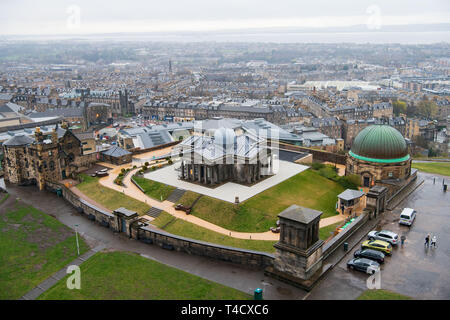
(162, 146)
(317, 154)
(340, 238)
(104, 218)
(254, 259)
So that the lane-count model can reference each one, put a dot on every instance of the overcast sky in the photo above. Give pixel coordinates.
(30, 17)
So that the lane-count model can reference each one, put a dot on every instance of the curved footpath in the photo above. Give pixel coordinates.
(131, 190)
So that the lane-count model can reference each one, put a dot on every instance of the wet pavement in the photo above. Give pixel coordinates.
(412, 270)
(238, 277)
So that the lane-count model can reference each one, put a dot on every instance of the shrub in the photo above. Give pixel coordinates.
(146, 164)
(170, 161)
(349, 182)
(144, 168)
(317, 165)
(122, 170)
(134, 167)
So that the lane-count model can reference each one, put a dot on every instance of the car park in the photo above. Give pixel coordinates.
(379, 245)
(363, 264)
(384, 235)
(370, 254)
(407, 216)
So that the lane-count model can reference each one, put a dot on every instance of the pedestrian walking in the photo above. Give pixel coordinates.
(427, 240)
(402, 239)
(433, 241)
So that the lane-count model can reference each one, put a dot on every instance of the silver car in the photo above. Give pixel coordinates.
(384, 235)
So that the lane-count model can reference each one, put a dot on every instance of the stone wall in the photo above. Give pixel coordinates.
(162, 146)
(140, 231)
(341, 237)
(250, 258)
(318, 155)
(93, 213)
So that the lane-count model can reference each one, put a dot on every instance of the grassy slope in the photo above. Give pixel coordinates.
(325, 232)
(259, 213)
(124, 275)
(433, 167)
(154, 189)
(33, 246)
(109, 198)
(382, 295)
(189, 230)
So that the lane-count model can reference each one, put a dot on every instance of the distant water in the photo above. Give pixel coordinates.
(276, 37)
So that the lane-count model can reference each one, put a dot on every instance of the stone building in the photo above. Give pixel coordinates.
(379, 153)
(224, 156)
(298, 258)
(48, 157)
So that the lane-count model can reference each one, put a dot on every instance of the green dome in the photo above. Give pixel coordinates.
(380, 143)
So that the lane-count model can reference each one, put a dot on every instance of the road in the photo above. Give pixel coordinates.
(412, 270)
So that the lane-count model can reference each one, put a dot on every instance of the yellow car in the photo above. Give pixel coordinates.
(379, 245)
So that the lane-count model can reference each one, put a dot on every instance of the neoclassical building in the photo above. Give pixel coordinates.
(379, 154)
(224, 156)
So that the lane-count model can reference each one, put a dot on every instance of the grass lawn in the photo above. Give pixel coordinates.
(33, 246)
(126, 275)
(110, 198)
(259, 213)
(382, 295)
(186, 229)
(154, 189)
(325, 232)
(433, 167)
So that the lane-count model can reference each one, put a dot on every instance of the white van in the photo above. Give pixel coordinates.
(407, 216)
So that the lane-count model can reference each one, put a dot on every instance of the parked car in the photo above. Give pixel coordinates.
(384, 235)
(370, 254)
(407, 216)
(379, 245)
(275, 230)
(363, 264)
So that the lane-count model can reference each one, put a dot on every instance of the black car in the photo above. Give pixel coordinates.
(370, 254)
(363, 264)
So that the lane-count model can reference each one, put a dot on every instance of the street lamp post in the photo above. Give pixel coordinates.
(76, 236)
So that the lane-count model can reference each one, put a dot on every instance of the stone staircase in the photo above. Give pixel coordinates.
(154, 212)
(175, 195)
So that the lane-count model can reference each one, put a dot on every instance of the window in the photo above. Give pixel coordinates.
(390, 174)
(49, 153)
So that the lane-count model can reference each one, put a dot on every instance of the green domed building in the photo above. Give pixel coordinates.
(379, 153)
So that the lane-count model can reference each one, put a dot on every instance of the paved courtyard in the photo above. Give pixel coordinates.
(413, 270)
(229, 190)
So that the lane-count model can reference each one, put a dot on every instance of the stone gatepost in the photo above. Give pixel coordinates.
(123, 220)
(376, 199)
(298, 257)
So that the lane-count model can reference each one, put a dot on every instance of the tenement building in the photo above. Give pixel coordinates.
(379, 155)
(48, 157)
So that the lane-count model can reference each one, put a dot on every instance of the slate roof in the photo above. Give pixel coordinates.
(207, 148)
(64, 112)
(350, 194)
(116, 152)
(18, 141)
(125, 212)
(300, 214)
